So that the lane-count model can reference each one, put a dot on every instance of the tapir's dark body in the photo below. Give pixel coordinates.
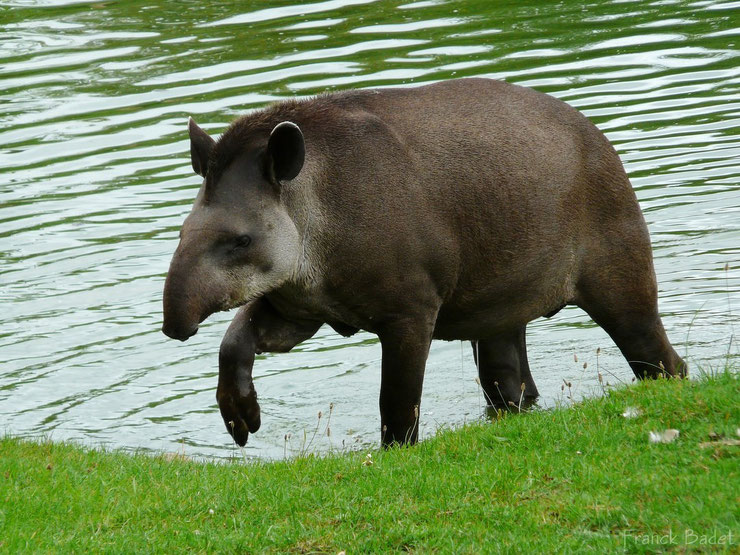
(459, 210)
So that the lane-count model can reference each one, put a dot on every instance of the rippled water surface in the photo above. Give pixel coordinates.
(95, 180)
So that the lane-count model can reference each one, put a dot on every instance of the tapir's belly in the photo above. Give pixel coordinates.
(489, 320)
(489, 316)
(483, 305)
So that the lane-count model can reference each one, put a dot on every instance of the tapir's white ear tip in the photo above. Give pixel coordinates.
(283, 125)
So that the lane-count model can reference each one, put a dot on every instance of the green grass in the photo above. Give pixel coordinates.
(568, 479)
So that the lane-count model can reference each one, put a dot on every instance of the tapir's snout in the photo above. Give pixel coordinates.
(180, 320)
(175, 332)
(182, 310)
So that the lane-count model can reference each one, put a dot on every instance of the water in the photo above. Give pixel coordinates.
(95, 181)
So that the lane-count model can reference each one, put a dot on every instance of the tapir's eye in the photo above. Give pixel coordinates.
(242, 241)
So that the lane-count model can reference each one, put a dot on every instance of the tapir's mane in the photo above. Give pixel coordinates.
(244, 132)
(254, 129)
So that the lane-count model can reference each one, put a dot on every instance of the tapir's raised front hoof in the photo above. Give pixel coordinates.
(240, 411)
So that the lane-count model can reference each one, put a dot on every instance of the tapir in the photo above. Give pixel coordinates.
(459, 210)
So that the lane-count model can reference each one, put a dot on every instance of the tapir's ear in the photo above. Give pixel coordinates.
(201, 144)
(286, 150)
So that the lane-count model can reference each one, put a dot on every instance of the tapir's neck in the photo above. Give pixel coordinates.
(304, 209)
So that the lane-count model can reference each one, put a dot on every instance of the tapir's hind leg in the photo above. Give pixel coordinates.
(503, 368)
(620, 294)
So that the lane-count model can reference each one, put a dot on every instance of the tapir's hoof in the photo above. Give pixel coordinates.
(241, 413)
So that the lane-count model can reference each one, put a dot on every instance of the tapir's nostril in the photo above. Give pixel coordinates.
(175, 333)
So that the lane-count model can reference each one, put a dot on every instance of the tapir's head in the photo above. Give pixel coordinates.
(238, 242)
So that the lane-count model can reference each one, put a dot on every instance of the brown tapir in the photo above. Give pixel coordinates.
(459, 210)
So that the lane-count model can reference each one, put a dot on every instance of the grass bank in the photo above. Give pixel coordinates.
(560, 480)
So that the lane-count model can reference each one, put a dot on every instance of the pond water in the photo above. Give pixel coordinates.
(95, 181)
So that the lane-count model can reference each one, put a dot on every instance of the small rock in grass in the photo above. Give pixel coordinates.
(631, 412)
(666, 436)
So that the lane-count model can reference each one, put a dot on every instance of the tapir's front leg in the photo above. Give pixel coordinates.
(405, 350)
(256, 328)
(235, 394)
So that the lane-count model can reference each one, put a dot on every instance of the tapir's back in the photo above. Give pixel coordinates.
(495, 187)
(467, 149)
